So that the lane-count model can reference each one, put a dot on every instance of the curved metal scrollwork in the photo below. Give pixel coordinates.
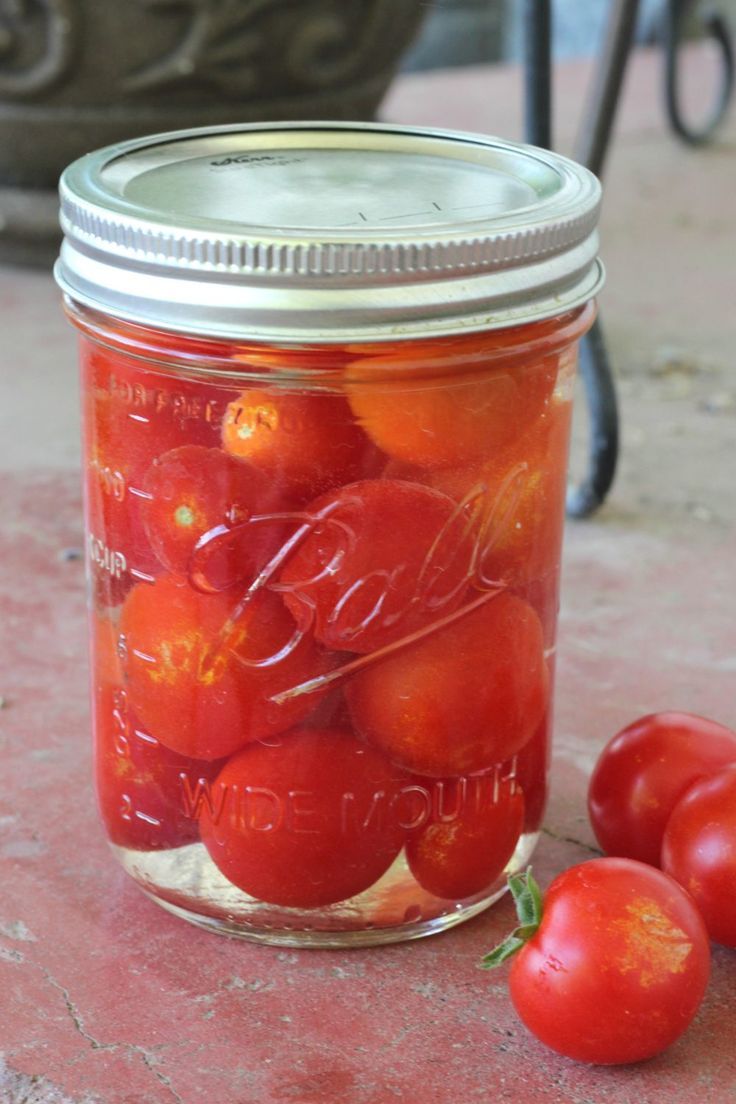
(330, 47)
(228, 43)
(219, 45)
(678, 13)
(36, 45)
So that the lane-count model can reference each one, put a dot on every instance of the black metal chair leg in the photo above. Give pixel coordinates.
(600, 109)
(716, 26)
(600, 393)
(600, 390)
(538, 72)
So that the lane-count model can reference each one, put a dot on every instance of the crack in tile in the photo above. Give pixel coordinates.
(133, 1048)
(165, 1081)
(571, 839)
(75, 1016)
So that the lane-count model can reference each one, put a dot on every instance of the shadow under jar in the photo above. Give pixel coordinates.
(327, 381)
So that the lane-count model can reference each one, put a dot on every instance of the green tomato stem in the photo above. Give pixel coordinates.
(528, 900)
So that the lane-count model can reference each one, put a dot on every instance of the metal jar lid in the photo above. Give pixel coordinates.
(328, 232)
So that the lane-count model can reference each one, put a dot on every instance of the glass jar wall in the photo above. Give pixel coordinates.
(323, 593)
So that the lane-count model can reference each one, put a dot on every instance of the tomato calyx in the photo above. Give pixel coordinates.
(527, 897)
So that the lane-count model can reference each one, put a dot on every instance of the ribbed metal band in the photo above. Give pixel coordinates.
(268, 258)
(234, 277)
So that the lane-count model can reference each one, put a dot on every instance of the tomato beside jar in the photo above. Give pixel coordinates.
(642, 773)
(699, 850)
(611, 965)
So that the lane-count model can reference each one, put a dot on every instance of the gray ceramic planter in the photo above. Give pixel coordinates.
(77, 74)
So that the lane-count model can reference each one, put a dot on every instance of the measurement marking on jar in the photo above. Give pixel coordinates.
(106, 559)
(142, 576)
(111, 481)
(145, 737)
(140, 493)
(145, 817)
(144, 656)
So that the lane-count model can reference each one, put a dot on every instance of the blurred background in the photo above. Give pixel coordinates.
(466, 32)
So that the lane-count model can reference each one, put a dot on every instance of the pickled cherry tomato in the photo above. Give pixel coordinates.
(518, 498)
(139, 789)
(306, 819)
(305, 444)
(461, 699)
(201, 670)
(384, 558)
(194, 490)
(446, 423)
(465, 854)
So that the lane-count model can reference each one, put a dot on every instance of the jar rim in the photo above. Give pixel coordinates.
(322, 367)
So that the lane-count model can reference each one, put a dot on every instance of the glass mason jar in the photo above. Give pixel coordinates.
(327, 380)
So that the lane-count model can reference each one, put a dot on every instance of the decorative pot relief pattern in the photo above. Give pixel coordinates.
(232, 44)
(37, 39)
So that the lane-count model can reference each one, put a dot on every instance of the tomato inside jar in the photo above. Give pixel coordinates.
(325, 427)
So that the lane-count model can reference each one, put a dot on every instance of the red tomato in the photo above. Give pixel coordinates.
(386, 558)
(139, 788)
(518, 498)
(699, 851)
(306, 819)
(200, 676)
(644, 771)
(304, 444)
(194, 490)
(446, 422)
(469, 695)
(617, 964)
(464, 852)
